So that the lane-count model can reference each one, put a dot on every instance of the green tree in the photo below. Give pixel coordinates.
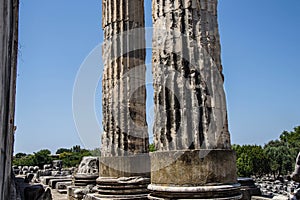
(251, 160)
(20, 155)
(276, 157)
(42, 157)
(292, 141)
(61, 150)
(27, 160)
(76, 148)
(279, 157)
(70, 157)
(73, 159)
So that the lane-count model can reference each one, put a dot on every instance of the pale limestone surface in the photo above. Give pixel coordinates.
(190, 106)
(191, 134)
(125, 133)
(123, 84)
(89, 165)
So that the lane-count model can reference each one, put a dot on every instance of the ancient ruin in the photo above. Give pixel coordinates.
(193, 160)
(87, 172)
(124, 161)
(84, 179)
(194, 157)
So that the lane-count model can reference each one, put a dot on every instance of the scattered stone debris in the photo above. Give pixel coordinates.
(84, 179)
(285, 188)
(54, 182)
(37, 184)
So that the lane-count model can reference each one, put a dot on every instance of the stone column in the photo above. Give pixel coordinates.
(194, 157)
(9, 12)
(124, 163)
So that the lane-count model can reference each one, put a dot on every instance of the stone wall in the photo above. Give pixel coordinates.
(8, 61)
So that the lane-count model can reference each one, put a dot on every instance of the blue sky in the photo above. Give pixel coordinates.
(260, 56)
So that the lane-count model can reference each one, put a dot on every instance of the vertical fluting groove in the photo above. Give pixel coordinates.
(128, 85)
(204, 45)
(183, 69)
(116, 85)
(189, 91)
(121, 85)
(112, 81)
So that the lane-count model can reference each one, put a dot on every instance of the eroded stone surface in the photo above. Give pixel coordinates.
(88, 165)
(88, 171)
(127, 166)
(193, 168)
(190, 129)
(124, 92)
(190, 106)
(125, 136)
(9, 10)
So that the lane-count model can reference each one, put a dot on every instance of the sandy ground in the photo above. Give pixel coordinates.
(57, 196)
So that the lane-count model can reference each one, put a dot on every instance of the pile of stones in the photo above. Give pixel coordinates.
(23, 170)
(271, 188)
(53, 180)
(36, 183)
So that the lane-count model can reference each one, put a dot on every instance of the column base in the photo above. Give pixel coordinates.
(123, 177)
(109, 197)
(194, 174)
(85, 179)
(218, 192)
(122, 188)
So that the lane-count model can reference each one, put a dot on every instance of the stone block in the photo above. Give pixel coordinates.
(248, 188)
(53, 182)
(125, 166)
(193, 167)
(63, 185)
(195, 174)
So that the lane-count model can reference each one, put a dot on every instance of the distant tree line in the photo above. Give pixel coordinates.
(39, 158)
(70, 157)
(276, 158)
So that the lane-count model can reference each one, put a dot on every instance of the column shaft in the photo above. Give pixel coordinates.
(194, 159)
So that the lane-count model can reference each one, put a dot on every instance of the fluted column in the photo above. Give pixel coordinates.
(124, 163)
(9, 12)
(124, 92)
(190, 129)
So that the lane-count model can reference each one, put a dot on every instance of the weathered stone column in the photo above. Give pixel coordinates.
(194, 157)
(9, 12)
(124, 163)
